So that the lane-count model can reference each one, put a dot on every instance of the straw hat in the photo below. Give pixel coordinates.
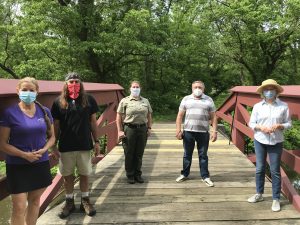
(269, 82)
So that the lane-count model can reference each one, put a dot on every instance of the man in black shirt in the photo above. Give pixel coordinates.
(74, 114)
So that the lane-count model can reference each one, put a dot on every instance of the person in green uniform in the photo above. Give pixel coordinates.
(134, 119)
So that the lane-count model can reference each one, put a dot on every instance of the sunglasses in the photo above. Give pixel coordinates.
(73, 81)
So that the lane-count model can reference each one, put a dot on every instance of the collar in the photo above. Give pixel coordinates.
(201, 97)
(132, 98)
(276, 101)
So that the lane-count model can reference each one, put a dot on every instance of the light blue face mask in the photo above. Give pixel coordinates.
(269, 94)
(27, 96)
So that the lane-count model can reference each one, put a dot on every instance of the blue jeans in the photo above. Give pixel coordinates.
(274, 152)
(189, 140)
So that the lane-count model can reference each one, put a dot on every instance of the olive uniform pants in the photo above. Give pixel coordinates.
(134, 145)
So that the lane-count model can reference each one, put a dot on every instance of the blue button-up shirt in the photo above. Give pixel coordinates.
(267, 115)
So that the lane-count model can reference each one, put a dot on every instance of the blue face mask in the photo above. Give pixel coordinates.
(269, 94)
(27, 97)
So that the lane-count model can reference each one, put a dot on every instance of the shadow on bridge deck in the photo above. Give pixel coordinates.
(161, 200)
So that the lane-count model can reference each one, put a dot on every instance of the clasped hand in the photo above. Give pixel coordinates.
(34, 156)
(269, 130)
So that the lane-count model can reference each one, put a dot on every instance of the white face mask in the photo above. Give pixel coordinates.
(135, 92)
(197, 92)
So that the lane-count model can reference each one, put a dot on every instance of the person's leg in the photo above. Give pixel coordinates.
(141, 136)
(274, 152)
(84, 183)
(84, 168)
(69, 184)
(202, 140)
(261, 154)
(19, 202)
(188, 145)
(86, 206)
(67, 164)
(129, 143)
(33, 207)
(69, 205)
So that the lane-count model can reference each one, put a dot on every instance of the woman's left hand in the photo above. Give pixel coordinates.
(40, 151)
(276, 127)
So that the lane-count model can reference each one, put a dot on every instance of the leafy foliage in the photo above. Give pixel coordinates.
(2, 168)
(292, 137)
(164, 44)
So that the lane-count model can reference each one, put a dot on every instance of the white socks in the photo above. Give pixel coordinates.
(84, 194)
(70, 195)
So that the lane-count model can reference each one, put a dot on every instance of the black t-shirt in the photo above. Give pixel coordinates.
(75, 126)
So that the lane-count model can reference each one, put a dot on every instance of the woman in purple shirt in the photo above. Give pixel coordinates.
(26, 134)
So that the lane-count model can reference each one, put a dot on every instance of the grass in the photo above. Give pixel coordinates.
(171, 117)
(2, 168)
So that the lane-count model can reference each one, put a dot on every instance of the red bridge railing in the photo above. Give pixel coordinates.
(234, 111)
(106, 95)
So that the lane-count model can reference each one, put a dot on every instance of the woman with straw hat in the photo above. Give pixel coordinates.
(269, 118)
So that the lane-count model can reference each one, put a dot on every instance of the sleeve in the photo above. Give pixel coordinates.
(121, 107)
(182, 106)
(55, 110)
(287, 122)
(212, 107)
(93, 105)
(149, 107)
(5, 119)
(49, 114)
(253, 118)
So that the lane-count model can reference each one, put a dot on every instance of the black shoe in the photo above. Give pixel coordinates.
(139, 179)
(67, 208)
(130, 180)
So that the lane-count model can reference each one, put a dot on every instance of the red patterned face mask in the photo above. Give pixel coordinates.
(74, 89)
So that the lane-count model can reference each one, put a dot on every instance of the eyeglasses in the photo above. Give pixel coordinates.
(73, 81)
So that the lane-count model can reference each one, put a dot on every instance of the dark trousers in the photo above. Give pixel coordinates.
(134, 145)
(202, 140)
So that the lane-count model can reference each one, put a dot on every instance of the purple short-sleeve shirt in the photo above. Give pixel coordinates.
(26, 133)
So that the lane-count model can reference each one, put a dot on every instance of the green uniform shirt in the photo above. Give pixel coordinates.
(135, 110)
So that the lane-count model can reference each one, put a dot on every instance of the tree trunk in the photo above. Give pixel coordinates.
(9, 71)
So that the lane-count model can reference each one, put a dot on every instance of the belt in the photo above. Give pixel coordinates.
(132, 125)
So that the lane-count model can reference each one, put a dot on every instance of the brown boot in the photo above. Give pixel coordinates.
(67, 208)
(87, 207)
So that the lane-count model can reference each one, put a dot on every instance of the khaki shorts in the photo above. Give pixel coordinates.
(77, 159)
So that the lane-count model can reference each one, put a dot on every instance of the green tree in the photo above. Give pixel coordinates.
(255, 34)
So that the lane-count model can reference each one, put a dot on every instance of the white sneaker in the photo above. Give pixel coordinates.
(181, 178)
(256, 198)
(276, 206)
(208, 182)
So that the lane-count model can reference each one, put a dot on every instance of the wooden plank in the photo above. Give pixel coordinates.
(176, 191)
(174, 216)
(131, 207)
(160, 200)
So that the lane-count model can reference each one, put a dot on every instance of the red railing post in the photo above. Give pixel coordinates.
(237, 136)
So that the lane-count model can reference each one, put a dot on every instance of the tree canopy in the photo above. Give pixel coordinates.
(166, 44)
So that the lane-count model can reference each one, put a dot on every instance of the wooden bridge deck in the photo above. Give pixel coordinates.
(160, 200)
